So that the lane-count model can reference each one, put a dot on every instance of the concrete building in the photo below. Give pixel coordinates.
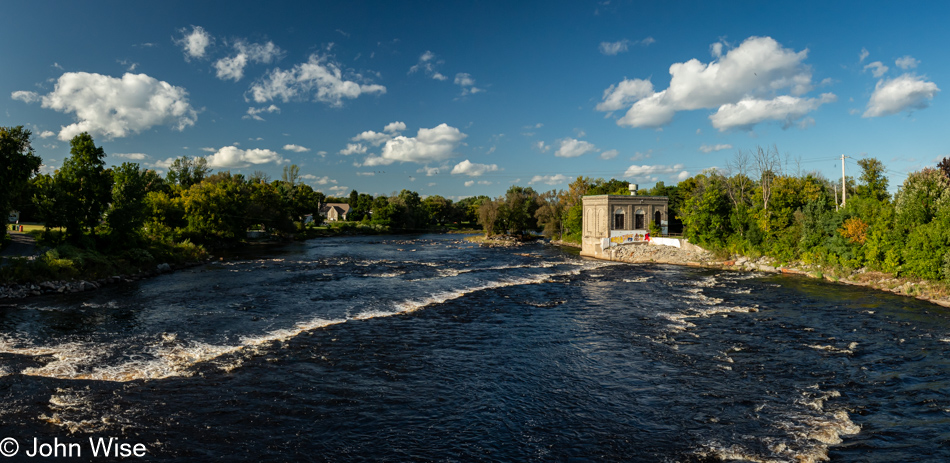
(611, 220)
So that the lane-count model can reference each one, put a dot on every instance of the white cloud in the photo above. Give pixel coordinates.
(427, 63)
(906, 62)
(339, 189)
(25, 96)
(232, 67)
(428, 146)
(549, 179)
(395, 127)
(625, 94)
(904, 93)
(653, 173)
(613, 48)
(254, 113)
(748, 112)
(117, 107)
(365, 174)
(163, 164)
(195, 43)
(430, 171)
(465, 80)
(863, 55)
(318, 78)
(373, 138)
(572, 148)
(471, 169)
(132, 156)
(470, 183)
(353, 148)
(234, 157)
(47, 134)
(877, 68)
(711, 148)
(484, 182)
(540, 146)
(314, 180)
(609, 154)
(758, 69)
(296, 148)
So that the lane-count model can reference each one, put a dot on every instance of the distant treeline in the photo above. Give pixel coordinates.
(755, 206)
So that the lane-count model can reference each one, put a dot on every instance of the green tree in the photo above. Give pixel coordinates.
(521, 204)
(489, 213)
(438, 208)
(186, 171)
(86, 186)
(128, 211)
(873, 182)
(48, 201)
(550, 214)
(17, 164)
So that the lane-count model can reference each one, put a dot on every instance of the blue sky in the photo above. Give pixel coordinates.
(460, 99)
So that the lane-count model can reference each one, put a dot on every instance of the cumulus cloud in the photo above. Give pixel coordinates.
(904, 93)
(541, 146)
(395, 127)
(428, 146)
(314, 180)
(296, 148)
(195, 43)
(318, 78)
(234, 157)
(906, 62)
(713, 148)
(750, 111)
(427, 64)
(549, 179)
(117, 107)
(373, 138)
(472, 169)
(609, 154)
(625, 94)
(572, 148)
(652, 173)
(25, 96)
(465, 80)
(470, 183)
(232, 67)
(877, 68)
(47, 134)
(757, 70)
(255, 113)
(353, 148)
(132, 156)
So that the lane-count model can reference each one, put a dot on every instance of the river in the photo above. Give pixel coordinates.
(430, 348)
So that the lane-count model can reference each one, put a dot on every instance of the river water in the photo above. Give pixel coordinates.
(428, 348)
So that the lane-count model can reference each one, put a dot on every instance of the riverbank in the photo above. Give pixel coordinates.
(934, 292)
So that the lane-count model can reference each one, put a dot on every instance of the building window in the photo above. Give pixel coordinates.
(657, 218)
(639, 222)
(619, 219)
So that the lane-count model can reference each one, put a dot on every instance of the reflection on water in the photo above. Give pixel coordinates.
(429, 348)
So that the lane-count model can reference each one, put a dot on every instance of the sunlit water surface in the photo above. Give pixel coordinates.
(428, 348)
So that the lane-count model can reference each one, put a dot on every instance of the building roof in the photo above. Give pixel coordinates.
(342, 208)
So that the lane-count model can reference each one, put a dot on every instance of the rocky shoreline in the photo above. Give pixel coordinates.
(23, 290)
(934, 292)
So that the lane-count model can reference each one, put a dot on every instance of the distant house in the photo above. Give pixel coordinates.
(335, 211)
(611, 220)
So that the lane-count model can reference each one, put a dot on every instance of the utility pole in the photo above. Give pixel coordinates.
(844, 194)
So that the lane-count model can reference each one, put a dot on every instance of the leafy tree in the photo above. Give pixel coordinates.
(291, 175)
(217, 207)
(438, 208)
(86, 186)
(705, 214)
(17, 164)
(521, 204)
(488, 215)
(186, 171)
(128, 210)
(550, 214)
(467, 209)
(48, 201)
(873, 182)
